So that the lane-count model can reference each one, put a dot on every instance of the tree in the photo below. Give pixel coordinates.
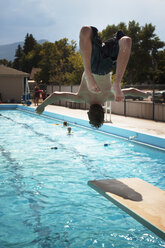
(73, 76)
(160, 68)
(144, 54)
(47, 63)
(31, 59)
(29, 44)
(17, 61)
(6, 62)
(28, 57)
(149, 47)
(133, 69)
(60, 64)
(110, 30)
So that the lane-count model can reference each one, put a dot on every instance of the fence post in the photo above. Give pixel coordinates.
(125, 107)
(153, 100)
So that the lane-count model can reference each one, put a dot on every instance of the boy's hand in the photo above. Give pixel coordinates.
(119, 96)
(92, 85)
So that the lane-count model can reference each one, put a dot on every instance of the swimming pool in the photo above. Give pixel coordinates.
(45, 199)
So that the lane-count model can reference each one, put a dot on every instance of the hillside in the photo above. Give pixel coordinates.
(8, 51)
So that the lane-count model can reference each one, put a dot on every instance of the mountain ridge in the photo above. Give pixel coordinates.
(8, 51)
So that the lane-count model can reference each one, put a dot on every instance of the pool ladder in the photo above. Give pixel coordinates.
(107, 108)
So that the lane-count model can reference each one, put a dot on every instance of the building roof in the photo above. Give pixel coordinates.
(7, 71)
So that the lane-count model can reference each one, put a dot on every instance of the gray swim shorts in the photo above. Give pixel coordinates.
(104, 55)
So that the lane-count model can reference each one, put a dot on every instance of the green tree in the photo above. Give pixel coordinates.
(29, 43)
(31, 59)
(110, 30)
(159, 76)
(47, 62)
(144, 54)
(6, 62)
(29, 56)
(30, 53)
(133, 69)
(60, 64)
(73, 76)
(147, 53)
(17, 61)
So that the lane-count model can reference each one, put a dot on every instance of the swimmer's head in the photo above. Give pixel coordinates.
(65, 123)
(96, 115)
(69, 130)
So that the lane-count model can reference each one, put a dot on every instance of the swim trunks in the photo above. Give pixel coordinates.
(104, 55)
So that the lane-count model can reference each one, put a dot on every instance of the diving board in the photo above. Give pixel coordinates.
(141, 200)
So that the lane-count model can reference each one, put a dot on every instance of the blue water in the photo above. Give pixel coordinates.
(45, 201)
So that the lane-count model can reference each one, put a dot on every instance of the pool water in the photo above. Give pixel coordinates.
(45, 200)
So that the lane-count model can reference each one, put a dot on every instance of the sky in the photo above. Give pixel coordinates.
(56, 19)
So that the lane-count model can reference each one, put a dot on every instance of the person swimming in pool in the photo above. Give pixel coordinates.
(69, 131)
(98, 60)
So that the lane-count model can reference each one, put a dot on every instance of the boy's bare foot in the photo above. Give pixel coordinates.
(119, 96)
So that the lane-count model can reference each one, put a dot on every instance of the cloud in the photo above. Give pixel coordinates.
(56, 19)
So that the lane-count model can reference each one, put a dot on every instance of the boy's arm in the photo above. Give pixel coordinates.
(58, 96)
(135, 92)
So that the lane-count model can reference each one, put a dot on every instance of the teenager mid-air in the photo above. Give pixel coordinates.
(96, 88)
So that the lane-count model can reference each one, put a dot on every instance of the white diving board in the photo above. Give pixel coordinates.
(141, 200)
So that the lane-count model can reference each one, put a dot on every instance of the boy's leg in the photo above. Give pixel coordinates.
(37, 100)
(122, 61)
(86, 50)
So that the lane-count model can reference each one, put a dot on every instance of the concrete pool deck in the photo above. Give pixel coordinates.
(149, 127)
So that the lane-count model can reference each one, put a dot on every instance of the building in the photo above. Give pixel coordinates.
(13, 84)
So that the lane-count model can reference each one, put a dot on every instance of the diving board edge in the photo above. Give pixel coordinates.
(133, 214)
